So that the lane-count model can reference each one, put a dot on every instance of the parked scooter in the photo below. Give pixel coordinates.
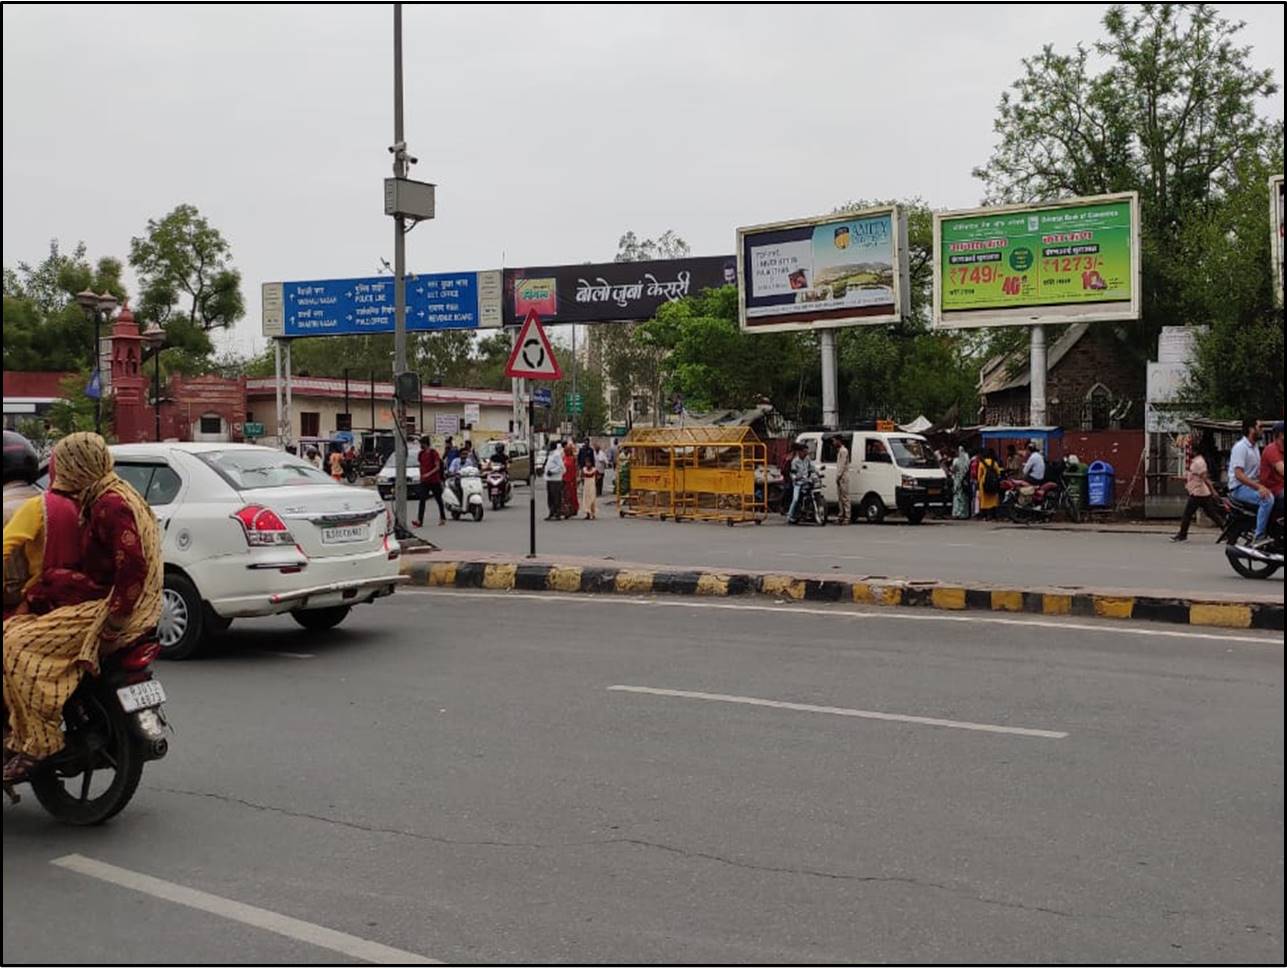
(470, 500)
(1239, 531)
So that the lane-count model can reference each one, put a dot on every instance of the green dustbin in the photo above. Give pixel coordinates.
(1075, 481)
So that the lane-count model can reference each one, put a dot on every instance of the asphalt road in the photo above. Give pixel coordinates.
(942, 550)
(451, 775)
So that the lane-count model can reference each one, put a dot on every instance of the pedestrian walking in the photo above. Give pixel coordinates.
(600, 469)
(589, 489)
(961, 484)
(431, 474)
(1197, 482)
(554, 481)
(972, 482)
(989, 480)
(843, 509)
(571, 506)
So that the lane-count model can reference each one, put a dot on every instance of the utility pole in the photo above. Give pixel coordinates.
(1037, 378)
(399, 286)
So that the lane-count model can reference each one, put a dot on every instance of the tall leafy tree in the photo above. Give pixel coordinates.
(44, 328)
(1167, 104)
(188, 283)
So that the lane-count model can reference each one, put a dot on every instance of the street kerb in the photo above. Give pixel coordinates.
(497, 572)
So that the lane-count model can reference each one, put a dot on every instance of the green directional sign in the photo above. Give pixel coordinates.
(252, 429)
(575, 403)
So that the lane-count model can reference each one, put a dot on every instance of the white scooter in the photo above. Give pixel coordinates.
(472, 495)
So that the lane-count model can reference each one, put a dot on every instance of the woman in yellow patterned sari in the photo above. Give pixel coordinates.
(45, 655)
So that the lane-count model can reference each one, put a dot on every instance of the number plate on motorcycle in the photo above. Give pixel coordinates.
(351, 532)
(141, 695)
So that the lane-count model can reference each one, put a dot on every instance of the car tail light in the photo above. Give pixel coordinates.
(262, 526)
(140, 657)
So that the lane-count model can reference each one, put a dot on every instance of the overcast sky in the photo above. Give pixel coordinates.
(550, 130)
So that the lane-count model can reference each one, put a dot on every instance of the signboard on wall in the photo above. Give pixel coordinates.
(1025, 265)
(348, 307)
(832, 271)
(446, 423)
(610, 291)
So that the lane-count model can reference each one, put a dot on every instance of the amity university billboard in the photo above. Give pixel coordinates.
(824, 272)
(1058, 262)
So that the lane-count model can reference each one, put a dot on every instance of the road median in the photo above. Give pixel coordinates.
(496, 572)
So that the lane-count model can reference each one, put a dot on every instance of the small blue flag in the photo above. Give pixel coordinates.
(94, 388)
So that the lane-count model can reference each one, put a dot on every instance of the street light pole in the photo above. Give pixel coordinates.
(97, 307)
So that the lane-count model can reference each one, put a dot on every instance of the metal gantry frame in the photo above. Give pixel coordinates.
(702, 473)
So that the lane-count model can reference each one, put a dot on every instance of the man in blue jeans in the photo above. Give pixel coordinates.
(1244, 477)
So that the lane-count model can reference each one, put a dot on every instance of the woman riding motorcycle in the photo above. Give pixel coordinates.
(115, 600)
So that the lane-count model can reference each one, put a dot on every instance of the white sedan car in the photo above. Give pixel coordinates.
(250, 531)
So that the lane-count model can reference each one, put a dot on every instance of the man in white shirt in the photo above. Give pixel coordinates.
(601, 468)
(554, 481)
(1034, 467)
(1244, 477)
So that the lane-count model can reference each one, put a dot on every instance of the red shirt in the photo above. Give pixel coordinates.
(430, 466)
(1269, 476)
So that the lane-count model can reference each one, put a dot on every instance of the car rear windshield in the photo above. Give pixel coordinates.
(246, 469)
(912, 452)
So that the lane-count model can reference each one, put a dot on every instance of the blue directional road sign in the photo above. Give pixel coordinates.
(542, 396)
(344, 307)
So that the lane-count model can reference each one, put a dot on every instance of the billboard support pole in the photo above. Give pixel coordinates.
(277, 365)
(830, 410)
(1037, 383)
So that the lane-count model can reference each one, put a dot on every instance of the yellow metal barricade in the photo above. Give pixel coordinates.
(703, 473)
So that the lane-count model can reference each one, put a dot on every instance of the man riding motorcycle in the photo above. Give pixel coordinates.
(802, 470)
(1244, 479)
(465, 457)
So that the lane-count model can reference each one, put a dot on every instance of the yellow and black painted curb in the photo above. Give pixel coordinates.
(604, 579)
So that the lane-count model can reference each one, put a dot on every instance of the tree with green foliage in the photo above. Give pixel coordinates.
(188, 284)
(44, 328)
(1166, 105)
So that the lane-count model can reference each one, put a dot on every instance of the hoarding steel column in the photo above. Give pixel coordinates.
(399, 287)
(830, 410)
(1037, 385)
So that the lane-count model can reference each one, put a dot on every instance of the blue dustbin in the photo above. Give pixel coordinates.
(1099, 484)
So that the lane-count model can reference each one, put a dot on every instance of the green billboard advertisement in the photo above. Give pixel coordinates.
(1061, 255)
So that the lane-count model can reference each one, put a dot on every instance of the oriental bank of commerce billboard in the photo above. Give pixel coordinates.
(1026, 265)
(825, 272)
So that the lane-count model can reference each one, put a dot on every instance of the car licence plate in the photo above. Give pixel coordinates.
(141, 695)
(346, 534)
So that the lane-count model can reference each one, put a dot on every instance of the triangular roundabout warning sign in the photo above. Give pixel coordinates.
(532, 356)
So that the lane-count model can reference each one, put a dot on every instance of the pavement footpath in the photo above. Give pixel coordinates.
(1125, 571)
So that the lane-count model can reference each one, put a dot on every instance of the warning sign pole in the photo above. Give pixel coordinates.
(532, 358)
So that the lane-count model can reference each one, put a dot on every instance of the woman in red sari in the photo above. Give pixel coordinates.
(570, 505)
(115, 595)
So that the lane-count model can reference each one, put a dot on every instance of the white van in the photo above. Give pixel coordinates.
(889, 471)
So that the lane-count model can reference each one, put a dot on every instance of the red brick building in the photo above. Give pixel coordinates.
(1093, 382)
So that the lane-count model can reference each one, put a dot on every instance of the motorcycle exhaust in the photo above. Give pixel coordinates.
(1255, 554)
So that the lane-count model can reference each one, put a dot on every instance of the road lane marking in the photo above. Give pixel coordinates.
(289, 655)
(314, 934)
(842, 711)
(893, 615)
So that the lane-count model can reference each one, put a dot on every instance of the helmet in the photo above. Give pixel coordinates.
(21, 462)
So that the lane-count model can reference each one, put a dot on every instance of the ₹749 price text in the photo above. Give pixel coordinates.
(986, 275)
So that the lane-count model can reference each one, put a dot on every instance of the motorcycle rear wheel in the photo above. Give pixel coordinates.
(1247, 567)
(121, 753)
